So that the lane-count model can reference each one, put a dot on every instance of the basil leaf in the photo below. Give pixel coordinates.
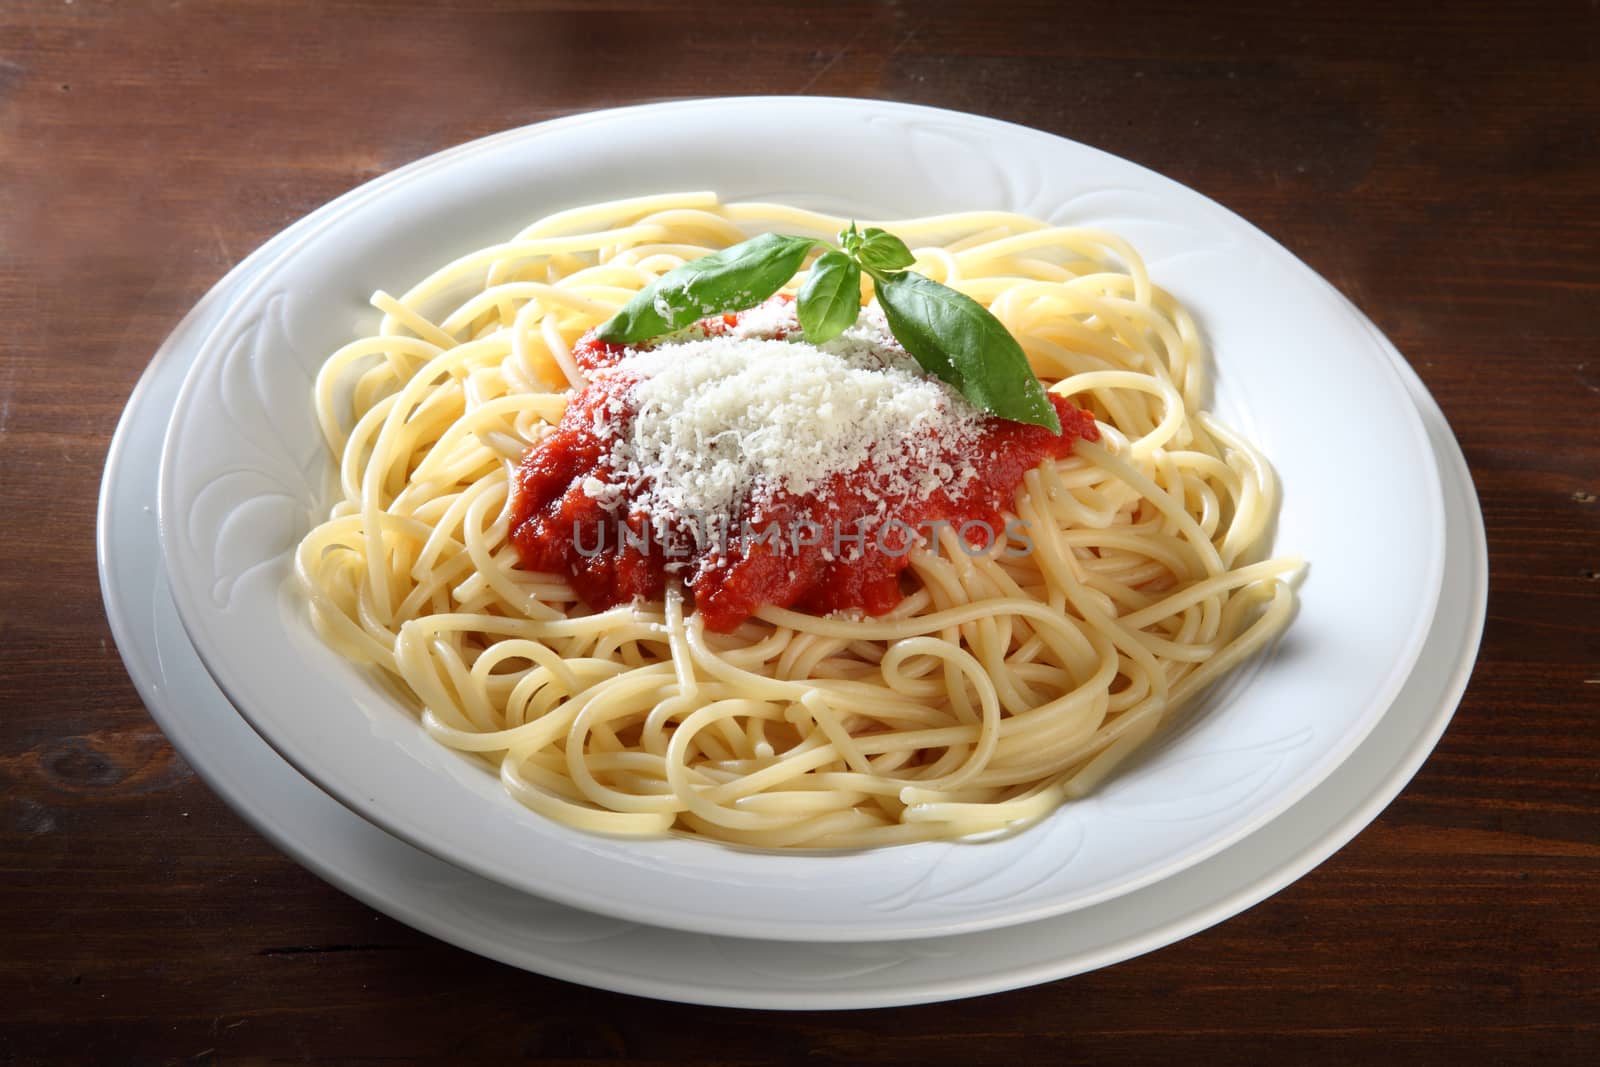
(733, 279)
(830, 301)
(955, 337)
(883, 251)
(850, 240)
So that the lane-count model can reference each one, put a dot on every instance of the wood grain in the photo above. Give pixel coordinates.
(1438, 166)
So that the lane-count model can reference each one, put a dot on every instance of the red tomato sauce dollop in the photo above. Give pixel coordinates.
(829, 550)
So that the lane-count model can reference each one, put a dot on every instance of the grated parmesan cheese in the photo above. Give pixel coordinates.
(731, 418)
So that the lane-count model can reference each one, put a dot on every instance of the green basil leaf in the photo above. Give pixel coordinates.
(850, 240)
(955, 337)
(830, 301)
(883, 251)
(733, 279)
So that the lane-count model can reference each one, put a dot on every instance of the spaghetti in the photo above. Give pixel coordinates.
(1128, 575)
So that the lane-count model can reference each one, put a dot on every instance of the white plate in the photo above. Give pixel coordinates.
(243, 474)
(526, 932)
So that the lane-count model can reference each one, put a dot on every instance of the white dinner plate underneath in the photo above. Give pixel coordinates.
(524, 931)
(244, 475)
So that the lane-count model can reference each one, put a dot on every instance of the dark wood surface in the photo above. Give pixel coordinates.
(1438, 166)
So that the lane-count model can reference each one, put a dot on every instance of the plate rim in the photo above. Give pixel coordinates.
(154, 688)
(631, 907)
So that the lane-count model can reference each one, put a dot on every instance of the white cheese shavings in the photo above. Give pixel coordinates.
(771, 319)
(724, 417)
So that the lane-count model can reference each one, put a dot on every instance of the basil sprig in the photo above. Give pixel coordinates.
(877, 249)
(950, 334)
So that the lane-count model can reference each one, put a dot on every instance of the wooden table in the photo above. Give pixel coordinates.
(1440, 169)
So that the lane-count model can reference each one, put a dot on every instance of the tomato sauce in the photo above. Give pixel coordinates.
(842, 546)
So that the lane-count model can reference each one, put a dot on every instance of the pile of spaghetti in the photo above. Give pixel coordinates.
(1128, 573)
